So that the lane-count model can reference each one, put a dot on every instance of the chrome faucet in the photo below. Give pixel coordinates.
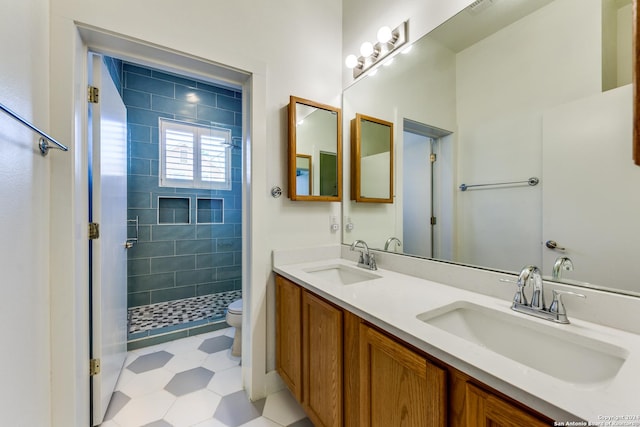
(556, 311)
(367, 260)
(391, 240)
(531, 274)
(562, 263)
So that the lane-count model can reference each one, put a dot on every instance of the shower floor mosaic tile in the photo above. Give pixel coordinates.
(185, 311)
(194, 382)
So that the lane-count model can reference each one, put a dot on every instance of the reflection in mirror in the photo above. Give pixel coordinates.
(372, 160)
(303, 175)
(636, 84)
(315, 148)
(512, 94)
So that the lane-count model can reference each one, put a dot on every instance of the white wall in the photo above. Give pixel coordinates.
(291, 47)
(24, 216)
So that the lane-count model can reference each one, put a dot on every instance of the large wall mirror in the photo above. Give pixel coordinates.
(636, 82)
(492, 98)
(371, 160)
(315, 151)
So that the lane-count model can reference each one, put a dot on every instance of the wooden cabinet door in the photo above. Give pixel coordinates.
(322, 361)
(484, 409)
(398, 387)
(289, 334)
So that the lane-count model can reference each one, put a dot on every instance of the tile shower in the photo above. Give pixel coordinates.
(186, 267)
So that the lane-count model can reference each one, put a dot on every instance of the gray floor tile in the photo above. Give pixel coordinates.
(189, 381)
(259, 404)
(216, 344)
(236, 409)
(159, 423)
(305, 422)
(150, 361)
(117, 402)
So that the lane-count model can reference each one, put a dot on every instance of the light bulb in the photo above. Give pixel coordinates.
(388, 62)
(351, 61)
(366, 49)
(407, 49)
(373, 72)
(384, 34)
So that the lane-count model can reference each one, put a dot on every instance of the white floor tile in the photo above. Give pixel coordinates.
(125, 377)
(213, 334)
(193, 408)
(183, 345)
(261, 422)
(282, 408)
(144, 410)
(220, 361)
(147, 382)
(110, 423)
(226, 381)
(151, 349)
(211, 423)
(185, 360)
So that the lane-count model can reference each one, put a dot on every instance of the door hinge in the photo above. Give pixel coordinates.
(93, 94)
(94, 230)
(433, 220)
(432, 157)
(94, 367)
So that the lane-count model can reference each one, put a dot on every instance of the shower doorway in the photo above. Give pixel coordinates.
(186, 242)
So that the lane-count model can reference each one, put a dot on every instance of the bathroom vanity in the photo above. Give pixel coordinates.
(359, 347)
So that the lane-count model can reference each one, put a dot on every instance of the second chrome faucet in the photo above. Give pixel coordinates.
(367, 259)
(556, 312)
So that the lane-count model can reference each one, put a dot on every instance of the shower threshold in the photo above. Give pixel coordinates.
(183, 317)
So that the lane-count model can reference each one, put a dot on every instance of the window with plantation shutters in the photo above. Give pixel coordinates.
(194, 156)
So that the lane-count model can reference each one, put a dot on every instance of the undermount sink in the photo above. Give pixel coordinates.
(341, 274)
(562, 354)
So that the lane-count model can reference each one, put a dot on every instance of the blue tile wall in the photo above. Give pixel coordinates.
(175, 261)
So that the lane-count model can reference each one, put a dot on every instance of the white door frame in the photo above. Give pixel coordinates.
(68, 272)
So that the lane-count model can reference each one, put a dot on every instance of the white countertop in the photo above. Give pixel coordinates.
(393, 301)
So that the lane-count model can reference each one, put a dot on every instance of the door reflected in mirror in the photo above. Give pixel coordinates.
(372, 160)
(315, 161)
(304, 181)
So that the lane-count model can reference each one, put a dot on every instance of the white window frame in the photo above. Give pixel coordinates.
(199, 132)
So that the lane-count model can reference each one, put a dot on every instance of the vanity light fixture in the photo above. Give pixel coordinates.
(371, 54)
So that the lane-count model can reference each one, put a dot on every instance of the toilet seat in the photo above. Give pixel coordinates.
(235, 307)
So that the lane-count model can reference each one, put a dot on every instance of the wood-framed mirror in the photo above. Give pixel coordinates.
(315, 151)
(371, 160)
(636, 84)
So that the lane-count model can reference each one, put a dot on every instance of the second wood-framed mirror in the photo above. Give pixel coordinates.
(315, 151)
(371, 160)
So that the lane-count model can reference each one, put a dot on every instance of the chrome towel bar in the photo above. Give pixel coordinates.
(44, 141)
(531, 181)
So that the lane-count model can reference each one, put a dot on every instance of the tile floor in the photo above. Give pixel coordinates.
(194, 382)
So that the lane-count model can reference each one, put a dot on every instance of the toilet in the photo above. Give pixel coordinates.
(234, 318)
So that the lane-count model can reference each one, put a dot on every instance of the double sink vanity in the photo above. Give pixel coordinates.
(426, 343)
